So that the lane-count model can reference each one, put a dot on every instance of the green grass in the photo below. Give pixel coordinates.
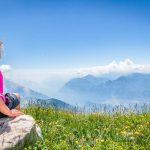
(66, 130)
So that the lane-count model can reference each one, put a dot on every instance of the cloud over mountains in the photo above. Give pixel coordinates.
(126, 66)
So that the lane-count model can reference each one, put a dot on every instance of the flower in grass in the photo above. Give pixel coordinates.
(127, 133)
(97, 140)
(147, 123)
(105, 129)
(102, 140)
(76, 142)
(131, 138)
(127, 127)
(29, 148)
(137, 133)
(123, 132)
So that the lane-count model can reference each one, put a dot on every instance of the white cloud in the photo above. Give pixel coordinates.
(5, 68)
(126, 66)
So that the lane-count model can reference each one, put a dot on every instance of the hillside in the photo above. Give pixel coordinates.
(51, 102)
(68, 130)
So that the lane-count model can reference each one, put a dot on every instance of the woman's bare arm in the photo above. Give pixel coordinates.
(6, 111)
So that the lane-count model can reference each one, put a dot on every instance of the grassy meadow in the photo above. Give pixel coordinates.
(70, 130)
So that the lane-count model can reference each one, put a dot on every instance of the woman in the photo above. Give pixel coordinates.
(9, 103)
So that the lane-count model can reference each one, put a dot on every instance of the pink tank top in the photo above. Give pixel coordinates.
(2, 87)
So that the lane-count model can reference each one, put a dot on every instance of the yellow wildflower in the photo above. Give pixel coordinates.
(137, 133)
(127, 127)
(96, 140)
(123, 132)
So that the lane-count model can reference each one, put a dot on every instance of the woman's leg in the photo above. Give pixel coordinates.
(18, 97)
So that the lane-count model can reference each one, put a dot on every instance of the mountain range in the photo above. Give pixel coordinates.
(25, 92)
(132, 88)
(125, 89)
(29, 96)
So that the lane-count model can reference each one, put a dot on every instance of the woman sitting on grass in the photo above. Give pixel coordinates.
(9, 103)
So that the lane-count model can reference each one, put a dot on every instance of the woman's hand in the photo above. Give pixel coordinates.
(16, 113)
(6, 111)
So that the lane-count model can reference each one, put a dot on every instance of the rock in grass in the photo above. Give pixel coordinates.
(15, 132)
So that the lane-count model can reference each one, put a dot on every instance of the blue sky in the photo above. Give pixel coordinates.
(74, 33)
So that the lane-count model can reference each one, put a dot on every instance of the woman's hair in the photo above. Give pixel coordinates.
(1, 46)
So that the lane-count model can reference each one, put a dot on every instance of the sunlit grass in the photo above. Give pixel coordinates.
(66, 130)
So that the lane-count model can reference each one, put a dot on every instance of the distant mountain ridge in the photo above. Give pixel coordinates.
(95, 80)
(133, 87)
(56, 103)
(33, 97)
(25, 92)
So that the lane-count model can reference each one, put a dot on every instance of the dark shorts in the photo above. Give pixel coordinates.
(12, 102)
